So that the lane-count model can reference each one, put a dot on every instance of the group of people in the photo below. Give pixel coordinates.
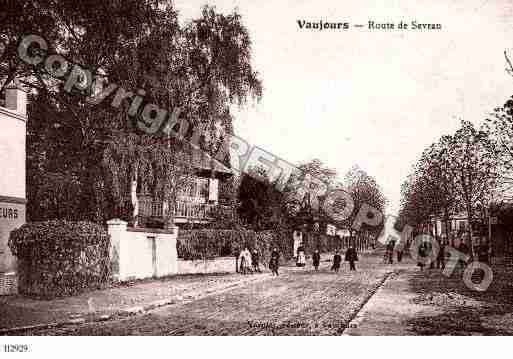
(482, 252)
(351, 257)
(249, 262)
(391, 247)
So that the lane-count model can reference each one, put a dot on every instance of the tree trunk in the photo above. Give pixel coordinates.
(469, 230)
(88, 205)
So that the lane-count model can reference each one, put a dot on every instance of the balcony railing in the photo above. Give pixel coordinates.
(148, 207)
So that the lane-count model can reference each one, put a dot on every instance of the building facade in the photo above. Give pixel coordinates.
(13, 121)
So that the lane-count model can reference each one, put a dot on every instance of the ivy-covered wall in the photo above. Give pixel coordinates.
(59, 258)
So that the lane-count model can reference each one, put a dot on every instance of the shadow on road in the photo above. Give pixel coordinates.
(464, 311)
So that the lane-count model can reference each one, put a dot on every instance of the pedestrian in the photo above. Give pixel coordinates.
(274, 261)
(421, 255)
(316, 259)
(301, 258)
(440, 258)
(248, 259)
(255, 259)
(400, 254)
(337, 259)
(351, 257)
(390, 251)
(245, 261)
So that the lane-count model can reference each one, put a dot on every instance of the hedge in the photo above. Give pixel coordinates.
(322, 242)
(212, 243)
(60, 258)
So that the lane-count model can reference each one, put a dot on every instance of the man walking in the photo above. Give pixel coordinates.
(390, 251)
(440, 258)
(274, 262)
(421, 255)
(351, 257)
(255, 258)
(399, 248)
(337, 259)
(316, 259)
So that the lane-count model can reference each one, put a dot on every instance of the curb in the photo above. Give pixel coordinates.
(129, 312)
(60, 324)
(354, 320)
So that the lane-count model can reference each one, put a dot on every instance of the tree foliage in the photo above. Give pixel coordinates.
(364, 190)
(263, 205)
(202, 67)
(458, 173)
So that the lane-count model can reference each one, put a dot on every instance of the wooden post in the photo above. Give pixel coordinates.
(135, 202)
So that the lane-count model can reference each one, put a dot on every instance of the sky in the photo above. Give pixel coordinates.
(374, 98)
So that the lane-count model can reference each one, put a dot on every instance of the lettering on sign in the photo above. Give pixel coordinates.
(8, 213)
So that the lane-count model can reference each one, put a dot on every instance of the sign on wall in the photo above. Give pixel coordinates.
(12, 216)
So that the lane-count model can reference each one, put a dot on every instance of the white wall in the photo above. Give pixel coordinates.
(12, 152)
(139, 254)
(12, 176)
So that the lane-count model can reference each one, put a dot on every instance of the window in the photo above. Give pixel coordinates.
(195, 190)
(213, 190)
(202, 187)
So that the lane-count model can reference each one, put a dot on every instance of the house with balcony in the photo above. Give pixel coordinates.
(198, 202)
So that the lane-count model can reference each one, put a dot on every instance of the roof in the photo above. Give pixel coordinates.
(204, 162)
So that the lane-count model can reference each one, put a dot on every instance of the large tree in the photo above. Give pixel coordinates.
(364, 190)
(435, 183)
(474, 169)
(458, 173)
(499, 128)
(311, 184)
(201, 67)
(262, 204)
